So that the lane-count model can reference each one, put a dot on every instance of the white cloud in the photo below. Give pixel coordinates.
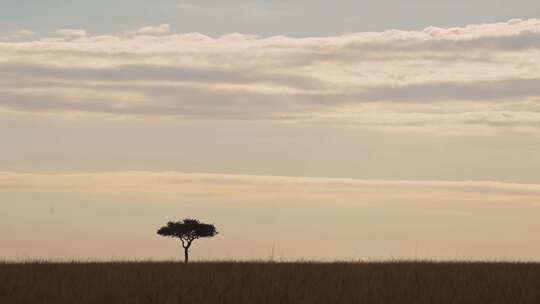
(23, 33)
(74, 33)
(18, 35)
(275, 189)
(154, 29)
(477, 79)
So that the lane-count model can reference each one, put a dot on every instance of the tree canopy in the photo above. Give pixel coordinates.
(187, 231)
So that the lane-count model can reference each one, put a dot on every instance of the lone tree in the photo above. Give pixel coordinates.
(187, 231)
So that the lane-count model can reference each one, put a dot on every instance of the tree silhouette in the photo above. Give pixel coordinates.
(187, 231)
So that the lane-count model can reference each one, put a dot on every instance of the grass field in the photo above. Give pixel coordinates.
(232, 282)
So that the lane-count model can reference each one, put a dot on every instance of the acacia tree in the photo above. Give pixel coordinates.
(187, 231)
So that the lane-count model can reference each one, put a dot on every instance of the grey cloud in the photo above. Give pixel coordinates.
(203, 104)
(470, 91)
(444, 50)
(158, 73)
(414, 77)
(186, 101)
(522, 41)
(43, 103)
(181, 103)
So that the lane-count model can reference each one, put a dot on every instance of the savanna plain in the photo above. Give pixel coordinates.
(269, 282)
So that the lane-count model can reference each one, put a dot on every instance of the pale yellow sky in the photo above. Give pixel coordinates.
(115, 215)
(395, 144)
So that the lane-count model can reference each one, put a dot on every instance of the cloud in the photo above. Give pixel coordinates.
(477, 79)
(23, 33)
(73, 33)
(268, 189)
(154, 29)
(158, 73)
(18, 35)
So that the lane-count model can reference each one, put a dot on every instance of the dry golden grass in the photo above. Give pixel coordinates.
(259, 283)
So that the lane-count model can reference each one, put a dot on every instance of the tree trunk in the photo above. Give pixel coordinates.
(186, 255)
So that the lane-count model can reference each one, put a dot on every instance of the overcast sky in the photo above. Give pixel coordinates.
(389, 129)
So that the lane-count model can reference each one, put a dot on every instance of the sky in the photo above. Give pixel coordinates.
(302, 130)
